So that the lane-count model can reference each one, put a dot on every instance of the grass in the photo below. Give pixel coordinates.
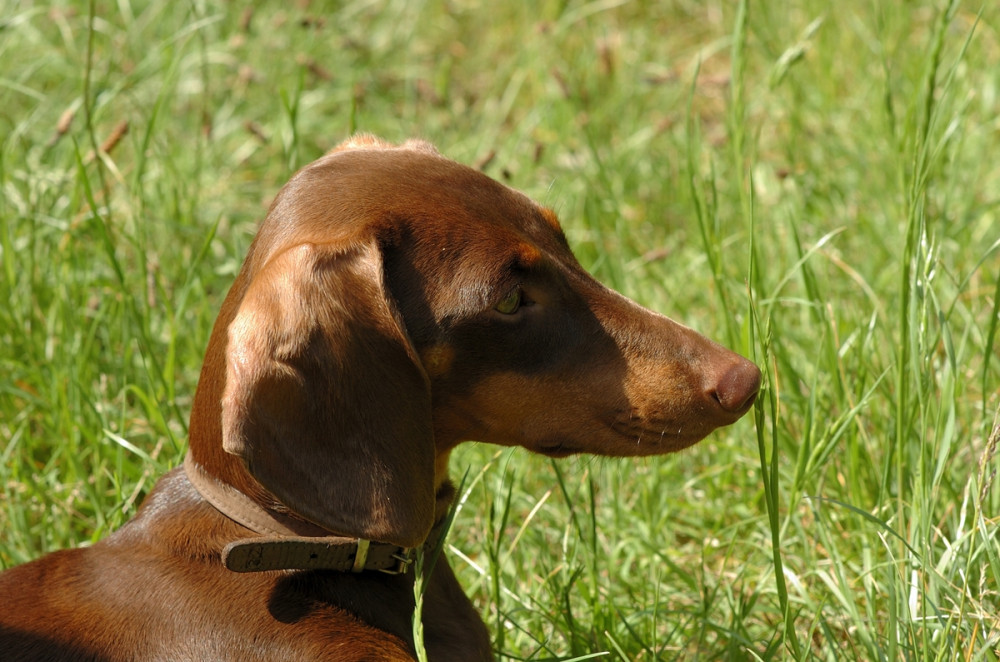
(816, 187)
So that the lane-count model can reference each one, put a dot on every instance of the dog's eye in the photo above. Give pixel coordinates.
(510, 303)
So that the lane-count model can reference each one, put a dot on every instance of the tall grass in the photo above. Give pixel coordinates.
(814, 185)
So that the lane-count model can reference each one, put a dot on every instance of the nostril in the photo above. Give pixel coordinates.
(737, 388)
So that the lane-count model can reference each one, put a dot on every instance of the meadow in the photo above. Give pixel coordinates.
(816, 186)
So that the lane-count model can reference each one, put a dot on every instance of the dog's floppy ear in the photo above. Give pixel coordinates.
(325, 399)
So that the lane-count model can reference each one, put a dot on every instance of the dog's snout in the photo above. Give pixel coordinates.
(736, 388)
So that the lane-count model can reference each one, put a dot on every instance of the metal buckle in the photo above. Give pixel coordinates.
(403, 562)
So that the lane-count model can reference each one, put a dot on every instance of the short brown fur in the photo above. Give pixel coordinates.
(369, 332)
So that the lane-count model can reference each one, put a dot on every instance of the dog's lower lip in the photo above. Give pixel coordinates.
(556, 449)
(655, 433)
(652, 442)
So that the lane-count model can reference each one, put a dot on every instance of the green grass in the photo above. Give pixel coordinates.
(815, 185)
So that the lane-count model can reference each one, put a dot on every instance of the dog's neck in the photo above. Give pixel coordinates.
(244, 510)
(285, 542)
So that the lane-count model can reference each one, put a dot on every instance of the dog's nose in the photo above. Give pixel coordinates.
(737, 388)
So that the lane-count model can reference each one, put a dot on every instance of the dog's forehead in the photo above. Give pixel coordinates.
(359, 193)
(438, 196)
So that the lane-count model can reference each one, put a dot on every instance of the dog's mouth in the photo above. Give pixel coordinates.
(624, 439)
(653, 437)
(559, 448)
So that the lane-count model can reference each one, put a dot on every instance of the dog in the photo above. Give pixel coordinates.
(393, 304)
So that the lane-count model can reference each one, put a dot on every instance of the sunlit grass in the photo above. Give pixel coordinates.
(814, 186)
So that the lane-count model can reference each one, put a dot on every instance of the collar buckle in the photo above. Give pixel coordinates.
(403, 562)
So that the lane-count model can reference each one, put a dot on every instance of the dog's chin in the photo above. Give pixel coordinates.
(557, 449)
(619, 445)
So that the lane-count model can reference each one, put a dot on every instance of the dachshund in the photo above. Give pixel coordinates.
(393, 304)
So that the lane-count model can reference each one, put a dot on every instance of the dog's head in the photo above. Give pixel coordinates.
(395, 303)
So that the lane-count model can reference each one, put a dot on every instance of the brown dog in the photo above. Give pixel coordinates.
(393, 304)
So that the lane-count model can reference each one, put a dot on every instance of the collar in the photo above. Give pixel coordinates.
(287, 543)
